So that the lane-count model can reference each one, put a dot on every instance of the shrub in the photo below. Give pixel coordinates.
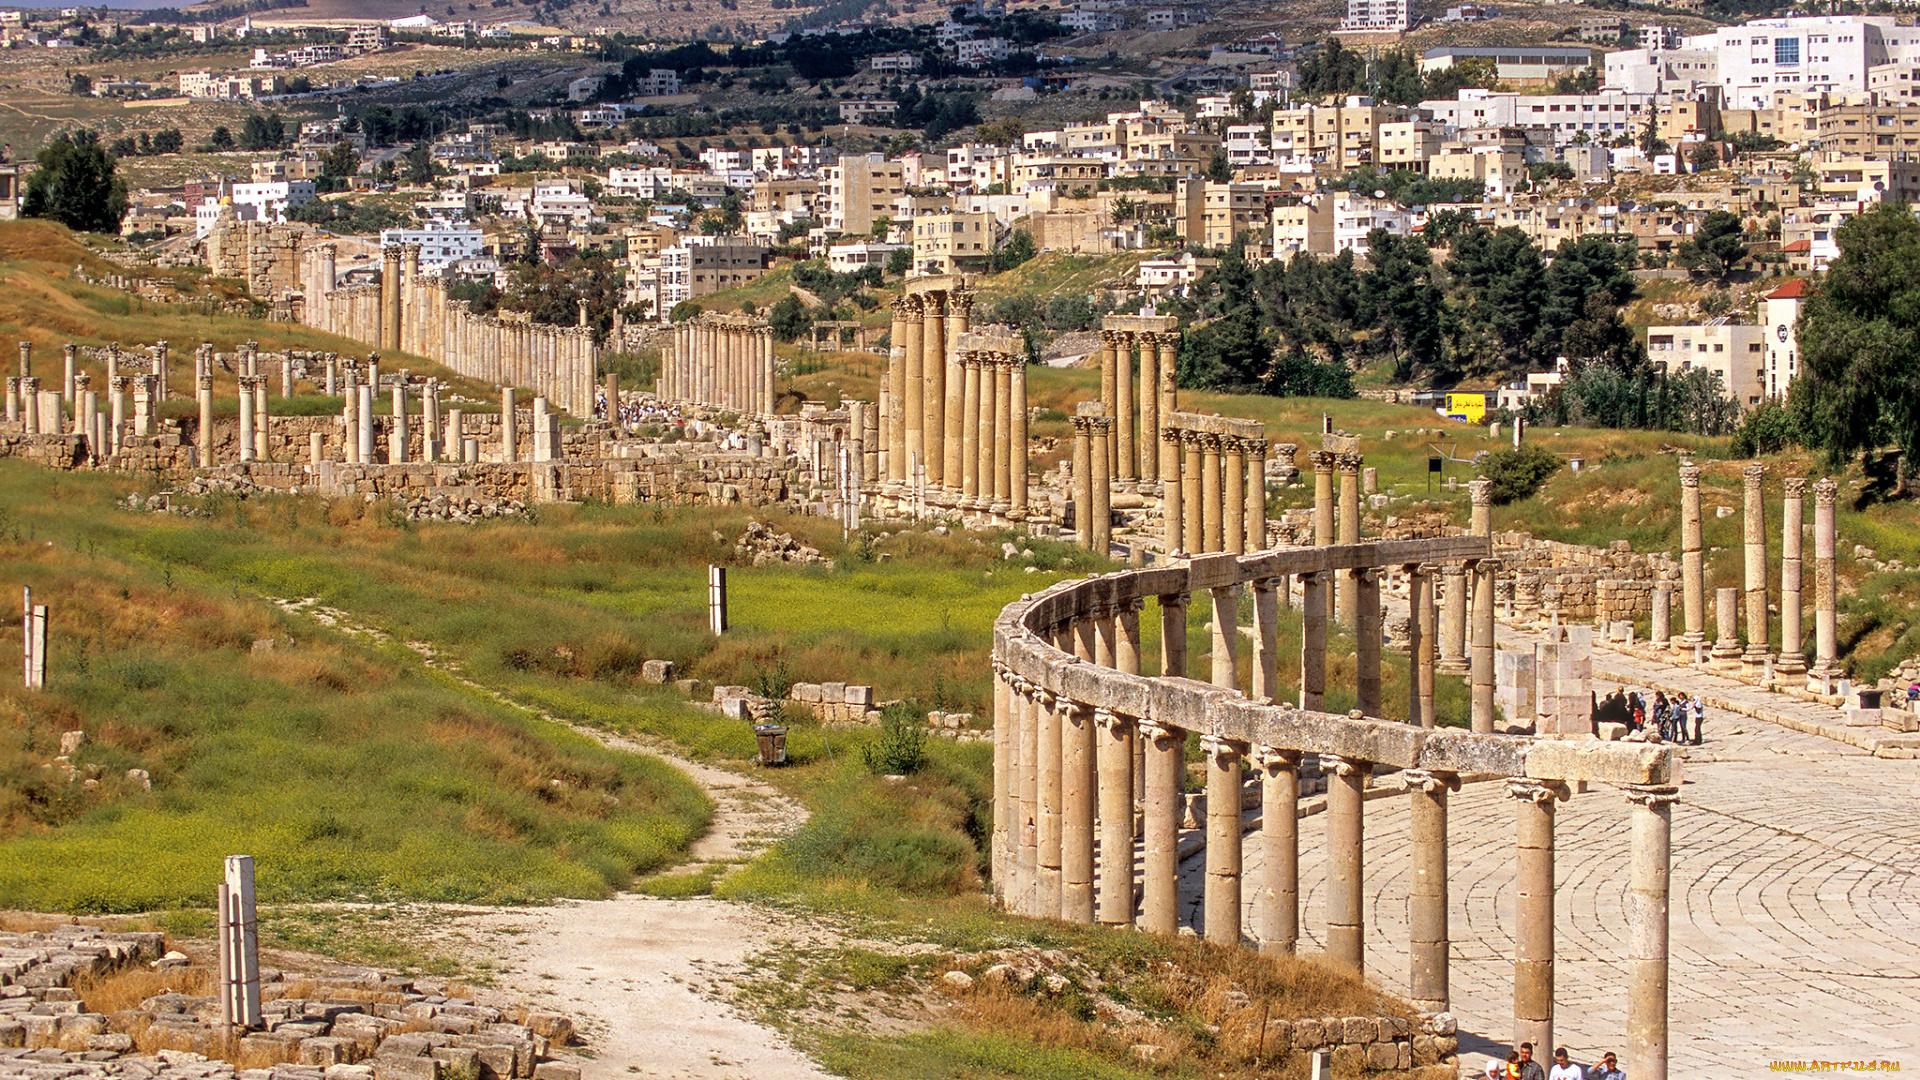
(901, 746)
(1768, 429)
(1518, 472)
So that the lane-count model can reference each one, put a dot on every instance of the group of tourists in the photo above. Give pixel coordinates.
(1669, 716)
(1521, 1066)
(633, 413)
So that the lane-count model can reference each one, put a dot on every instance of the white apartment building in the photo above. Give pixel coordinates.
(273, 199)
(1601, 117)
(660, 82)
(1805, 54)
(1378, 15)
(722, 161)
(898, 62)
(978, 52)
(439, 244)
(853, 258)
(1355, 216)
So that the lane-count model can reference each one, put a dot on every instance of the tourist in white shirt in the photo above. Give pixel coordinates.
(1563, 1068)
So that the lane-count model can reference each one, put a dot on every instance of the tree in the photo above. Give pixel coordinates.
(75, 185)
(1704, 156)
(1717, 246)
(80, 85)
(788, 319)
(1651, 143)
(221, 139)
(1518, 471)
(1859, 388)
(1018, 249)
(1219, 169)
(899, 261)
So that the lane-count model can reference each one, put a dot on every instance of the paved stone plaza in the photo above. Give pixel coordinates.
(1795, 898)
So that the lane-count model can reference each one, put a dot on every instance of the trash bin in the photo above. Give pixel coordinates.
(773, 743)
(1870, 699)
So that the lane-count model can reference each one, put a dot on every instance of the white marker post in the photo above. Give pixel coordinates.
(239, 946)
(717, 599)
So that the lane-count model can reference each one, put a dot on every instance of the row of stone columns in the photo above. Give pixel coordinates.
(1757, 655)
(923, 413)
(1140, 400)
(1069, 778)
(721, 361)
(992, 415)
(1213, 489)
(410, 311)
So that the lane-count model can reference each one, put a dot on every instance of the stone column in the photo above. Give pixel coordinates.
(1049, 830)
(509, 427)
(1172, 506)
(1265, 669)
(1651, 810)
(1480, 494)
(363, 414)
(896, 418)
(1173, 635)
(286, 375)
(246, 418)
(1367, 635)
(1692, 566)
(1826, 587)
(1028, 793)
(1754, 521)
(1727, 625)
(1233, 494)
(1793, 661)
(933, 345)
(397, 431)
(1226, 635)
(142, 410)
(954, 410)
(1346, 867)
(1164, 748)
(999, 457)
(1005, 765)
(66, 379)
(1428, 943)
(1313, 640)
(262, 430)
(1082, 481)
(1256, 512)
(1660, 629)
(117, 387)
(390, 298)
(1533, 911)
(916, 389)
(1169, 347)
(1077, 780)
(1013, 416)
(1213, 533)
(978, 413)
(1110, 346)
(349, 420)
(1453, 619)
(1195, 491)
(1420, 644)
(26, 359)
(1222, 891)
(1150, 452)
(203, 439)
(13, 399)
(1277, 902)
(433, 440)
(1125, 470)
(1100, 428)
(1114, 755)
(1485, 573)
(1345, 601)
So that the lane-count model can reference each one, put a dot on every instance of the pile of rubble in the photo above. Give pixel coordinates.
(761, 546)
(471, 508)
(356, 1025)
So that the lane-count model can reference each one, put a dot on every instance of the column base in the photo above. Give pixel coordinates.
(1790, 664)
(1452, 667)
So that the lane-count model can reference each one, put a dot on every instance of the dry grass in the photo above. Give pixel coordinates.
(129, 986)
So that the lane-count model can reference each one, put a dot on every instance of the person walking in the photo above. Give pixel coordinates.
(1564, 1068)
(1699, 720)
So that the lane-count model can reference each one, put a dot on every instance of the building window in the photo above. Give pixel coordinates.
(1786, 50)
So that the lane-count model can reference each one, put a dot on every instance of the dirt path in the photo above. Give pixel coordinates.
(642, 978)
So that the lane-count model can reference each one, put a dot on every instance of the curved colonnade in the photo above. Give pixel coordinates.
(1089, 771)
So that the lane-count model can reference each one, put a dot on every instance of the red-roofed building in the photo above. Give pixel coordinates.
(1782, 316)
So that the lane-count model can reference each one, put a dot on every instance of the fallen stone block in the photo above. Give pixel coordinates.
(406, 1068)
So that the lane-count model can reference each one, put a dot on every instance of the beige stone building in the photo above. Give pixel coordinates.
(858, 191)
(953, 243)
(1334, 138)
(1734, 351)
(1212, 215)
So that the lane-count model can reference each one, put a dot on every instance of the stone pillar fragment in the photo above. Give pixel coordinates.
(1793, 661)
(1485, 572)
(1826, 590)
(1754, 521)
(1692, 561)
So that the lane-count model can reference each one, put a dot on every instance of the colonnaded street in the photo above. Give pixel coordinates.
(1795, 915)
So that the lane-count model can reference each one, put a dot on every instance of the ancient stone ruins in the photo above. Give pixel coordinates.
(1088, 748)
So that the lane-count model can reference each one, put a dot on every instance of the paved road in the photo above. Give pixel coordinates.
(1795, 914)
